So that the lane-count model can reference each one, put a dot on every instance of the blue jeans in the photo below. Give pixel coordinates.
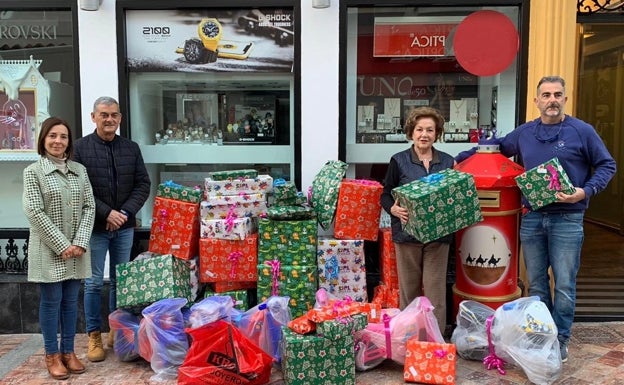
(58, 304)
(118, 245)
(555, 240)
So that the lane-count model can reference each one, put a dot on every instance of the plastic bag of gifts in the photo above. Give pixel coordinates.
(168, 343)
(470, 335)
(388, 339)
(212, 309)
(126, 326)
(262, 324)
(221, 354)
(523, 332)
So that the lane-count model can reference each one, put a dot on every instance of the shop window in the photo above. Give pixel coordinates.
(399, 58)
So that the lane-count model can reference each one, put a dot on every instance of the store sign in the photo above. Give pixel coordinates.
(27, 31)
(413, 36)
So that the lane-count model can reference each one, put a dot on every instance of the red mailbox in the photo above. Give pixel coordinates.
(486, 253)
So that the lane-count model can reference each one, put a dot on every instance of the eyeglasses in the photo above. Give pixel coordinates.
(106, 115)
(548, 139)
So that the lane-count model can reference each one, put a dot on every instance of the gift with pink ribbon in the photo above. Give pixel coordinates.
(540, 184)
(223, 260)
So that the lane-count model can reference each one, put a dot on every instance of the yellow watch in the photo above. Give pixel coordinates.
(209, 31)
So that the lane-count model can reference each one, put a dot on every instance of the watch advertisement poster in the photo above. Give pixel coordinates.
(250, 118)
(210, 40)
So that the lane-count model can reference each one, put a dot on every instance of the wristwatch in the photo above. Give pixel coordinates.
(209, 31)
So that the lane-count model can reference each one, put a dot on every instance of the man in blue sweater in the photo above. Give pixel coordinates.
(553, 235)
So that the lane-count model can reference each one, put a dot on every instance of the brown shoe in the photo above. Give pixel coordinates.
(57, 370)
(110, 341)
(95, 352)
(72, 363)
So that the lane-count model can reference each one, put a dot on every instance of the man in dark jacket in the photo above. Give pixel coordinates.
(121, 185)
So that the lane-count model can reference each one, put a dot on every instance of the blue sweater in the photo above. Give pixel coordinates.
(578, 147)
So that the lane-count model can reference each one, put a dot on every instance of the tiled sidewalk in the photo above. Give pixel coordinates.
(596, 357)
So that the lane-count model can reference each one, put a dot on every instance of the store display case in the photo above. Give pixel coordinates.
(210, 89)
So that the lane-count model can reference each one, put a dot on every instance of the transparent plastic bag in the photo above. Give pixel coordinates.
(470, 335)
(262, 324)
(126, 326)
(415, 321)
(524, 332)
(164, 328)
(211, 309)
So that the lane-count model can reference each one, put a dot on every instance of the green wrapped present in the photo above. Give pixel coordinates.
(291, 213)
(143, 282)
(240, 297)
(325, 186)
(291, 242)
(297, 282)
(300, 199)
(172, 190)
(540, 184)
(342, 327)
(439, 204)
(283, 190)
(311, 359)
(233, 174)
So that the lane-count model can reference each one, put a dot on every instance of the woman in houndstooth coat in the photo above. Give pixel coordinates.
(59, 204)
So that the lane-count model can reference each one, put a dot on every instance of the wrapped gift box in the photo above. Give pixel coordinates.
(178, 192)
(259, 184)
(387, 256)
(175, 228)
(342, 327)
(239, 297)
(284, 190)
(429, 362)
(241, 205)
(325, 186)
(290, 213)
(291, 242)
(223, 287)
(297, 282)
(540, 184)
(296, 201)
(310, 359)
(228, 260)
(358, 210)
(233, 174)
(439, 204)
(240, 228)
(145, 281)
(341, 268)
(192, 263)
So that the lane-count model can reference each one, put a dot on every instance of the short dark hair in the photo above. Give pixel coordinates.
(424, 112)
(551, 79)
(46, 126)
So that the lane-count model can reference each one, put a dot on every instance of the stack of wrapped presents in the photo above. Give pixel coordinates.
(250, 253)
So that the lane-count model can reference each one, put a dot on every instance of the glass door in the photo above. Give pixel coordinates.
(600, 99)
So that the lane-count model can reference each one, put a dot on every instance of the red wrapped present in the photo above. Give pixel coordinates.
(224, 260)
(175, 228)
(358, 209)
(222, 287)
(387, 256)
(385, 296)
(429, 362)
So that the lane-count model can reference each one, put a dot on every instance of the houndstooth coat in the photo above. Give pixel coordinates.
(60, 209)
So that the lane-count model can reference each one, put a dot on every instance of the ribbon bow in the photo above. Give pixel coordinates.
(234, 258)
(554, 178)
(163, 217)
(229, 219)
(171, 183)
(386, 321)
(492, 360)
(440, 353)
(275, 269)
(331, 271)
(279, 182)
(432, 178)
